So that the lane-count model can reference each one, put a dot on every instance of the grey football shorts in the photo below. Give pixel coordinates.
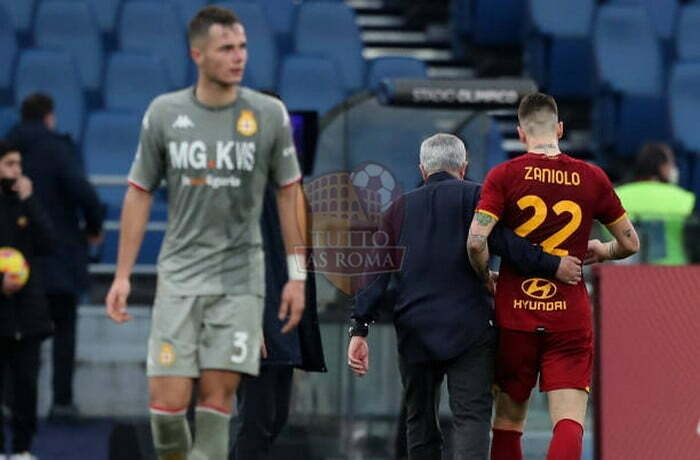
(193, 333)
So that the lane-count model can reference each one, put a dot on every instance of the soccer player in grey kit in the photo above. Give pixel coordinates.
(216, 145)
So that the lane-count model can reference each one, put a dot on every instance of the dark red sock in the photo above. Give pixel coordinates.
(505, 445)
(567, 441)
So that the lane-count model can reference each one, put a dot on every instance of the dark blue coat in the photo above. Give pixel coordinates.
(441, 305)
(52, 163)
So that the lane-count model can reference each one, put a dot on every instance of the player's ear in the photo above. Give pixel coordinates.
(560, 129)
(521, 135)
(422, 173)
(196, 54)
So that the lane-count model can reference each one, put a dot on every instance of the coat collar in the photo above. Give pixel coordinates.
(440, 176)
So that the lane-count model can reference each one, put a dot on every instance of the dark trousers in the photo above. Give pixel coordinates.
(63, 308)
(19, 361)
(469, 380)
(263, 408)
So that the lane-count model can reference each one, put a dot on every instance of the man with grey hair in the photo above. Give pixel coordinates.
(443, 313)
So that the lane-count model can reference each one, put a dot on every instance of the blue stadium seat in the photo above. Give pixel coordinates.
(105, 11)
(329, 29)
(684, 99)
(54, 73)
(559, 53)
(8, 50)
(69, 26)
(688, 34)
(262, 67)
(661, 12)
(310, 83)
(132, 81)
(21, 11)
(498, 22)
(630, 108)
(281, 15)
(460, 24)
(394, 67)
(110, 141)
(155, 28)
(188, 8)
(8, 118)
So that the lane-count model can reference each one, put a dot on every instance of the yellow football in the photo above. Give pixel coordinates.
(14, 265)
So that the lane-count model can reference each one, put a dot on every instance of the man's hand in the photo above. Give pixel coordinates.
(23, 187)
(569, 270)
(263, 349)
(597, 252)
(10, 285)
(358, 355)
(116, 300)
(292, 305)
(491, 283)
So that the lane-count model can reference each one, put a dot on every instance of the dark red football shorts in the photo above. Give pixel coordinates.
(561, 359)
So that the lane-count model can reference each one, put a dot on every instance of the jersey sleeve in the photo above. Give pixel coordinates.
(609, 209)
(284, 166)
(148, 167)
(493, 196)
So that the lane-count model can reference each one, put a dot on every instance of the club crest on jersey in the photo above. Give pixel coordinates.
(247, 124)
(166, 355)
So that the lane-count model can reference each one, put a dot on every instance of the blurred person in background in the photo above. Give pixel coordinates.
(52, 162)
(24, 318)
(658, 206)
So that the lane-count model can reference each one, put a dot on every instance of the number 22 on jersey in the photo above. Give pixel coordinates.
(550, 245)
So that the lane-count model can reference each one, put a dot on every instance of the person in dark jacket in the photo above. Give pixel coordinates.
(24, 318)
(51, 161)
(443, 313)
(263, 401)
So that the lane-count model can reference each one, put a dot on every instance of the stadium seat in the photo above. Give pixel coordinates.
(497, 22)
(188, 8)
(155, 28)
(262, 67)
(684, 100)
(630, 108)
(661, 12)
(69, 26)
(132, 81)
(22, 12)
(110, 141)
(54, 73)
(329, 29)
(281, 15)
(688, 34)
(8, 118)
(394, 67)
(8, 51)
(310, 83)
(460, 24)
(559, 54)
(105, 11)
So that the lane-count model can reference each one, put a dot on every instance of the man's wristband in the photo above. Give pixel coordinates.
(358, 328)
(296, 267)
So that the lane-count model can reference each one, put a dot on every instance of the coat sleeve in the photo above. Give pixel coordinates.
(41, 228)
(528, 259)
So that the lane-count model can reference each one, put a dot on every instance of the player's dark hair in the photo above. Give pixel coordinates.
(7, 147)
(536, 102)
(36, 106)
(208, 16)
(651, 157)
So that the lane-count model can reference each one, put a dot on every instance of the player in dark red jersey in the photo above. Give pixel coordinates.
(551, 199)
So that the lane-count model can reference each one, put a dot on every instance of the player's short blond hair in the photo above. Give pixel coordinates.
(538, 114)
(443, 152)
(198, 27)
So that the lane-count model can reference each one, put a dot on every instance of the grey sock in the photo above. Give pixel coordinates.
(171, 433)
(211, 434)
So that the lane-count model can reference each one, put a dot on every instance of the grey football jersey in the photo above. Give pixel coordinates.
(215, 163)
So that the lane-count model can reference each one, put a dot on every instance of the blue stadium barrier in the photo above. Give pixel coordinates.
(310, 83)
(132, 81)
(148, 254)
(394, 67)
(155, 28)
(22, 13)
(110, 142)
(559, 53)
(105, 12)
(54, 73)
(329, 29)
(8, 49)
(70, 26)
(684, 101)
(688, 34)
(263, 60)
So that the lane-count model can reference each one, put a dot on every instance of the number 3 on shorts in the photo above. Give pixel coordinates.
(239, 342)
